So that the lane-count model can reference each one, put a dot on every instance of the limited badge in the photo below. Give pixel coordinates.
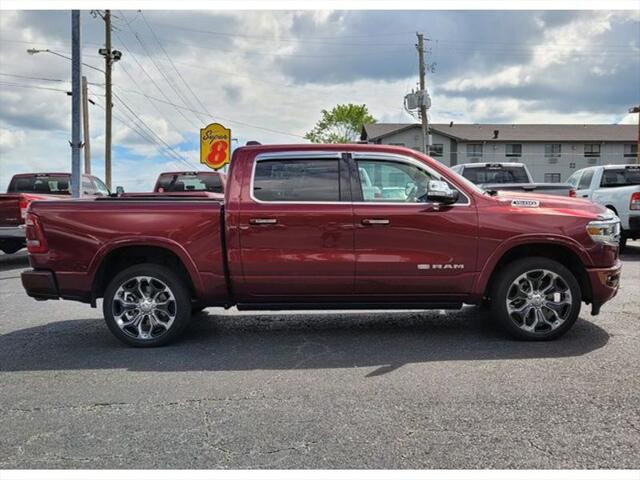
(525, 203)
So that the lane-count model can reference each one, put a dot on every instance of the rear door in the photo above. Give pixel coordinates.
(296, 229)
(405, 246)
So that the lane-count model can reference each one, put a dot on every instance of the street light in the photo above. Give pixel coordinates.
(33, 51)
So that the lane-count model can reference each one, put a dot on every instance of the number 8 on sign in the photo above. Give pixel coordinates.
(215, 142)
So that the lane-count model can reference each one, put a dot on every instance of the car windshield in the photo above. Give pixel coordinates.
(497, 174)
(46, 184)
(207, 182)
(620, 177)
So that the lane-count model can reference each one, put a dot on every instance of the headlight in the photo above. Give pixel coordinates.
(605, 231)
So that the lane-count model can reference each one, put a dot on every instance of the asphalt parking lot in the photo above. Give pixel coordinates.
(318, 390)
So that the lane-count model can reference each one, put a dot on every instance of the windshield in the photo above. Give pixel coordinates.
(497, 174)
(45, 184)
(203, 182)
(620, 177)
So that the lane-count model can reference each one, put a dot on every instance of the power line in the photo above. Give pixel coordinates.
(15, 75)
(35, 87)
(173, 65)
(160, 70)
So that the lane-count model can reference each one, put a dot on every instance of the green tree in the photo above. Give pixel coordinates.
(342, 124)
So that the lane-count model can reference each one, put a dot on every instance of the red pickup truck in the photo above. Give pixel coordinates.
(26, 187)
(300, 228)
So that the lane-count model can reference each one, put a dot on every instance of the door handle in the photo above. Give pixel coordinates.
(375, 221)
(263, 221)
(585, 196)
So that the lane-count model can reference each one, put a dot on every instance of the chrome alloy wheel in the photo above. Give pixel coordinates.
(144, 307)
(539, 301)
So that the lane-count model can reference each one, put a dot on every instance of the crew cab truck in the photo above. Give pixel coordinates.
(509, 176)
(23, 189)
(617, 187)
(296, 231)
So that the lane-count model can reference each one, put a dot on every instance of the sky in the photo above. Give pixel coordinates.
(268, 74)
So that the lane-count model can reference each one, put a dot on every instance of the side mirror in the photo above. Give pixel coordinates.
(119, 190)
(440, 192)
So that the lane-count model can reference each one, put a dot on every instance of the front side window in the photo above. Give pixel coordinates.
(585, 180)
(474, 149)
(592, 150)
(394, 182)
(552, 150)
(297, 180)
(102, 188)
(513, 150)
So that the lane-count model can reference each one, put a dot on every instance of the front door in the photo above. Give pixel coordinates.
(296, 231)
(405, 246)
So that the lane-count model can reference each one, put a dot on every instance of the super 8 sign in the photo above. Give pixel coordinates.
(215, 146)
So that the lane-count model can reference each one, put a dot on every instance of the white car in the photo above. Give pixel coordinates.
(616, 187)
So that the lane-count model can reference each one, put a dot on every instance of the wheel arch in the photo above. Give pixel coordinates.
(574, 259)
(114, 258)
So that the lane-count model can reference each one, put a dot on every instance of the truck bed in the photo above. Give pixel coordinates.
(82, 233)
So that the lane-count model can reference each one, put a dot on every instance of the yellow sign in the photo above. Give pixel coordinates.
(215, 146)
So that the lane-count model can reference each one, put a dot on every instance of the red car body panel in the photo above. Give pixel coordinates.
(318, 252)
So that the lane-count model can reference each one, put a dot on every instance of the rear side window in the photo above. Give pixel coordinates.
(52, 184)
(207, 182)
(620, 177)
(498, 174)
(585, 180)
(291, 180)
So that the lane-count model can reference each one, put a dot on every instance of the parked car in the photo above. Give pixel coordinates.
(26, 187)
(295, 231)
(206, 181)
(616, 187)
(509, 176)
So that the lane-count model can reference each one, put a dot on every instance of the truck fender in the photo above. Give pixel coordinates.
(145, 241)
(489, 266)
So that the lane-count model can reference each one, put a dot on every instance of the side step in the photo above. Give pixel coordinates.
(350, 306)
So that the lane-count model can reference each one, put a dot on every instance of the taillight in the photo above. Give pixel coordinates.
(36, 243)
(572, 192)
(634, 203)
(24, 204)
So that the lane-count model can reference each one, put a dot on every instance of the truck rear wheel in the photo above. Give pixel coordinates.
(147, 305)
(536, 298)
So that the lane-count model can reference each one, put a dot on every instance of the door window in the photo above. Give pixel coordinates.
(101, 187)
(297, 180)
(395, 182)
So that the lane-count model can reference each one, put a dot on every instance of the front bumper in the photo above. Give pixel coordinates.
(40, 284)
(604, 285)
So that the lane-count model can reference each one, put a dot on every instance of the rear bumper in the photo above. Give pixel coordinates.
(604, 284)
(16, 232)
(40, 284)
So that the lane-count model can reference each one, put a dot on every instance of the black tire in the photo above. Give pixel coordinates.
(623, 242)
(170, 284)
(504, 288)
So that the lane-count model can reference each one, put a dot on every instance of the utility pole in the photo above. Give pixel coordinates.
(85, 126)
(108, 61)
(636, 109)
(423, 106)
(76, 102)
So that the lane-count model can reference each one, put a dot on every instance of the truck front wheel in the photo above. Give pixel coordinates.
(146, 305)
(536, 298)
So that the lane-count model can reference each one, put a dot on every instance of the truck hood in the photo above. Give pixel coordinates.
(564, 205)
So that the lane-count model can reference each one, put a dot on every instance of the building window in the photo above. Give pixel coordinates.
(630, 150)
(572, 165)
(474, 149)
(514, 150)
(552, 150)
(591, 149)
(435, 150)
(552, 177)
